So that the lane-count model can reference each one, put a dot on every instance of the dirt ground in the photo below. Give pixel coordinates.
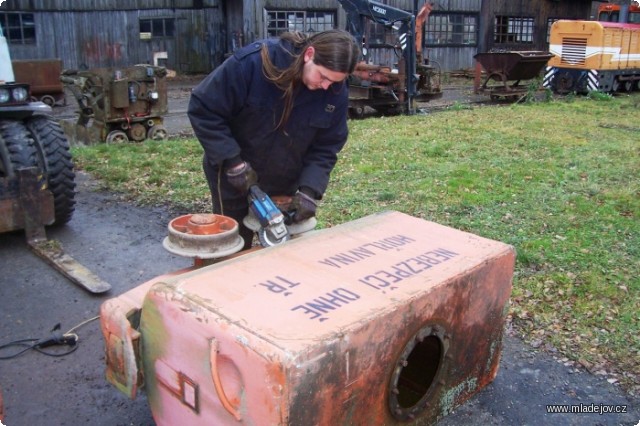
(121, 243)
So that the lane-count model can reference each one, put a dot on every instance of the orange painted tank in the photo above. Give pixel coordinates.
(386, 320)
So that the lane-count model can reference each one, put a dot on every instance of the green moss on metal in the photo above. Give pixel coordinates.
(450, 396)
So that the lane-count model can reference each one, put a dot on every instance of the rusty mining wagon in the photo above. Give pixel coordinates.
(43, 76)
(509, 69)
(119, 105)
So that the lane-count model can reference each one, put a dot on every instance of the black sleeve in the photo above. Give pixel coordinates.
(212, 105)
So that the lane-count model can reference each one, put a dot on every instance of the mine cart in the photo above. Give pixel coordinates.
(43, 76)
(119, 105)
(510, 68)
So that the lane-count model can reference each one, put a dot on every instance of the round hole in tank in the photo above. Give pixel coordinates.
(416, 373)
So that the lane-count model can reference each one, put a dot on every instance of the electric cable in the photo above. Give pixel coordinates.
(55, 338)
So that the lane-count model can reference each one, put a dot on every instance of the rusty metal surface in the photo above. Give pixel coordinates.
(43, 75)
(393, 319)
(24, 202)
(523, 65)
(203, 236)
(119, 321)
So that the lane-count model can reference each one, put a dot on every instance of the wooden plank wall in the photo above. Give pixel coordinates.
(105, 33)
(100, 38)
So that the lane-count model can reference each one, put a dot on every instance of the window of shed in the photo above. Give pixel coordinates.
(157, 28)
(509, 29)
(451, 29)
(550, 22)
(19, 28)
(306, 21)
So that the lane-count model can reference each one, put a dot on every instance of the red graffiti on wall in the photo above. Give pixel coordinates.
(97, 50)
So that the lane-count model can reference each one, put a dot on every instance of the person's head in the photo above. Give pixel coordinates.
(329, 57)
(319, 61)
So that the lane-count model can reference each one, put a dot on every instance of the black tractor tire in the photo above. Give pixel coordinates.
(17, 148)
(54, 158)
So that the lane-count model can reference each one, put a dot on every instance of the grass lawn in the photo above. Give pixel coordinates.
(558, 180)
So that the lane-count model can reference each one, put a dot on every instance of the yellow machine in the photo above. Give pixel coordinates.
(592, 55)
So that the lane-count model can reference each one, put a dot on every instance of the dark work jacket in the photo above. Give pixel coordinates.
(235, 111)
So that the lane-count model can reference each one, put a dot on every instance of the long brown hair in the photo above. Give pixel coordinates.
(335, 50)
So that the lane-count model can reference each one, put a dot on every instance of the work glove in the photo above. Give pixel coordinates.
(242, 176)
(304, 205)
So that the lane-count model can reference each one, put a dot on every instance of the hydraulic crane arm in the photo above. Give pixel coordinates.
(410, 79)
(360, 10)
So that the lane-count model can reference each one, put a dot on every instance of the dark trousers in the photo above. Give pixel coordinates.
(227, 202)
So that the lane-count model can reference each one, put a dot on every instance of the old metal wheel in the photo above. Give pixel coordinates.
(356, 112)
(137, 132)
(117, 136)
(49, 100)
(157, 133)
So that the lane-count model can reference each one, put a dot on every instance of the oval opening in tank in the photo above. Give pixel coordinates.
(415, 375)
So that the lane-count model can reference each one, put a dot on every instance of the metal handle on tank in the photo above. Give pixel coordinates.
(217, 383)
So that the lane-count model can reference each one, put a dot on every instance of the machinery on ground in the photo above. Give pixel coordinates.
(393, 76)
(509, 69)
(37, 180)
(594, 56)
(119, 105)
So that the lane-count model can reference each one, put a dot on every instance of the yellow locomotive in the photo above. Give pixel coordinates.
(593, 55)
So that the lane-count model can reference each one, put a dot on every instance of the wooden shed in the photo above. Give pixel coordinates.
(185, 35)
(194, 36)
(458, 29)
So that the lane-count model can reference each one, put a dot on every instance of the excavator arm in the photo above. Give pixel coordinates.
(360, 10)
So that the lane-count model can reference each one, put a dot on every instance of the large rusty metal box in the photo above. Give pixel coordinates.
(386, 320)
(43, 77)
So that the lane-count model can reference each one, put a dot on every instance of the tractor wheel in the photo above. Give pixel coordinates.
(55, 160)
(17, 148)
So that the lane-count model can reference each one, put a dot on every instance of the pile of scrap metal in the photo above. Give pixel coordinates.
(118, 105)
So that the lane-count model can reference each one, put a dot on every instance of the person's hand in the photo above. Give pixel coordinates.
(242, 177)
(304, 205)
